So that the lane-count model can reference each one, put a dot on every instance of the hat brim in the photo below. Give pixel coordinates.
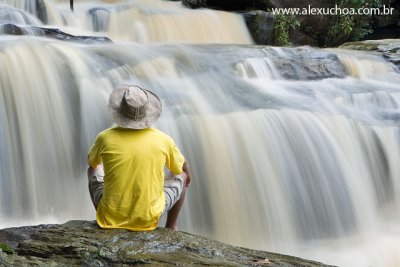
(152, 114)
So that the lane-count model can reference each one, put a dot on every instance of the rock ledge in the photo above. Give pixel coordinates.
(388, 48)
(83, 243)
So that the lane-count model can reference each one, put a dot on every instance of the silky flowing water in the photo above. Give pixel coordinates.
(293, 150)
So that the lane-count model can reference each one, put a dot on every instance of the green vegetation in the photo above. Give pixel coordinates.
(5, 248)
(354, 26)
(282, 26)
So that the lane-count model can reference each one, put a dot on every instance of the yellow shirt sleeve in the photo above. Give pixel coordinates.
(94, 158)
(175, 159)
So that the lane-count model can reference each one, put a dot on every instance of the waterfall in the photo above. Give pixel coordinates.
(293, 150)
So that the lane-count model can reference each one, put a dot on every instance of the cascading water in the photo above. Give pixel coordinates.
(292, 150)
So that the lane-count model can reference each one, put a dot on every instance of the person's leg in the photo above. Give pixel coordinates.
(96, 184)
(173, 212)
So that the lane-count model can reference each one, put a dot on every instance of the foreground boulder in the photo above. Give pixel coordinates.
(83, 243)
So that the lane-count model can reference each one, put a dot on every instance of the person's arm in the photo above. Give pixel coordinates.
(93, 159)
(91, 170)
(186, 170)
(176, 163)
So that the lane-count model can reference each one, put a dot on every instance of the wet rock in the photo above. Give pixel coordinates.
(83, 243)
(298, 37)
(60, 35)
(195, 3)
(11, 29)
(304, 63)
(260, 25)
(54, 33)
(40, 11)
(389, 48)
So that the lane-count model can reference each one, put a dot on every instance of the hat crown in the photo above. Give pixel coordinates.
(135, 102)
(132, 107)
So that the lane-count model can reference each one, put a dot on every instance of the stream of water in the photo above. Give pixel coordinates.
(293, 150)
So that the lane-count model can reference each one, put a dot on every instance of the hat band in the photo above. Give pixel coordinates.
(135, 113)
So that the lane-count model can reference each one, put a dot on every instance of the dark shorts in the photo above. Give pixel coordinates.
(173, 187)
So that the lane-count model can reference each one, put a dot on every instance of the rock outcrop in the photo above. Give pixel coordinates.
(389, 48)
(260, 25)
(83, 243)
(12, 29)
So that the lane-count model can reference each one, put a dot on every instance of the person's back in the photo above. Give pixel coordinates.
(134, 159)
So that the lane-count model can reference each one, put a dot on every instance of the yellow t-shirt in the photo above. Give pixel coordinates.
(133, 161)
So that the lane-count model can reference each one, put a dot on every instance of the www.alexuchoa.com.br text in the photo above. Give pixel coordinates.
(333, 11)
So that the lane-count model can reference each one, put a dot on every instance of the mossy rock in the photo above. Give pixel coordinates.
(83, 243)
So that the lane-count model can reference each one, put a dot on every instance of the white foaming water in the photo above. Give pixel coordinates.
(307, 167)
(144, 21)
(9, 14)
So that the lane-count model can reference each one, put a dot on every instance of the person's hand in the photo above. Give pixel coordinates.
(186, 170)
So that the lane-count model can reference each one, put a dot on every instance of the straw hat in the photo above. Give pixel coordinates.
(133, 107)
